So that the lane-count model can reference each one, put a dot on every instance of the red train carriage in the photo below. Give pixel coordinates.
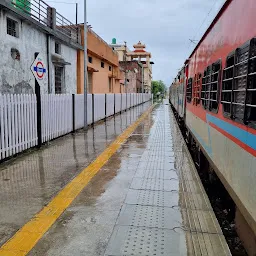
(220, 106)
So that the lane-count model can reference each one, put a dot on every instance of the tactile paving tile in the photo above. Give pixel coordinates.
(166, 210)
(141, 241)
(150, 216)
(163, 152)
(155, 184)
(160, 159)
(151, 197)
(149, 164)
(156, 174)
(177, 200)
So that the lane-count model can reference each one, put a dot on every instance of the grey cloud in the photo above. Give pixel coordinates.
(165, 26)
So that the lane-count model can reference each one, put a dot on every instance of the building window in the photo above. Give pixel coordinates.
(210, 87)
(57, 48)
(197, 89)
(239, 85)
(102, 64)
(89, 59)
(59, 81)
(109, 68)
(12, 27)
(189, 90)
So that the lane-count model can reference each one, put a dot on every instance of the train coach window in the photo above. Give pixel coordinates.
(196, 89)
(239, 84)
(205, 87)
(250, 106)
(210, 87)
(189, 90)
(214, 89)
(227, 85)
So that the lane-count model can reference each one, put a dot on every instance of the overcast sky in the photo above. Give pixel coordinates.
(165, 26)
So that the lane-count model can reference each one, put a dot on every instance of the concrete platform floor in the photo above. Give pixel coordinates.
(146, 200)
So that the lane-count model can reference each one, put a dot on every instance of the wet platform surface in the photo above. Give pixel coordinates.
(146, 200)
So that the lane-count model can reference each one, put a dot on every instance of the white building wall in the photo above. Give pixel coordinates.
(15, 75)
(69, 55)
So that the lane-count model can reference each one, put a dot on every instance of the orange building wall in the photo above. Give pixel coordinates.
(100, 52)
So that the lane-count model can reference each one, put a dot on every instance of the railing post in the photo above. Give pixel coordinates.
(38, 110)
(73, 114)
(51, 17)
(114, 104)
(93, 109)
(121, 103)
(105, 106)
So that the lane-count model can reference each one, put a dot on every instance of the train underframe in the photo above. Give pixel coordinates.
(239, 235)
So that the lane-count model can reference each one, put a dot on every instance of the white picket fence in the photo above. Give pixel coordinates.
(56, 116)
(18, 116)
(79, 110)
(18, 125)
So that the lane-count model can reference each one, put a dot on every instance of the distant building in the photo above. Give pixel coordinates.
(23, 34)
(143, 57)
(104, 74)
(134, 75)
(121, 49)
(140, 56)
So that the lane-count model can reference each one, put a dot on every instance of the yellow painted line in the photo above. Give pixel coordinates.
(27, 237)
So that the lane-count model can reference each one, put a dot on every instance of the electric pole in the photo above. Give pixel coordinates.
(125, 70)
(85, 67)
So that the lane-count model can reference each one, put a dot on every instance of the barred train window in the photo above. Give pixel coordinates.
(189, 90)
(196, 89)
(210, 87)
(239, 84)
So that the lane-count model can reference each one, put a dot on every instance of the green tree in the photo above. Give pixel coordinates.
(158, 87)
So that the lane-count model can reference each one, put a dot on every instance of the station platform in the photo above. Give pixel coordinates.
(125, 187)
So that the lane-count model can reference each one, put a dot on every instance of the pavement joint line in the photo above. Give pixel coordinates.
(23, 241)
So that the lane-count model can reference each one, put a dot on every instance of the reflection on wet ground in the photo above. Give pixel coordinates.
(30, 181)
(146, 200)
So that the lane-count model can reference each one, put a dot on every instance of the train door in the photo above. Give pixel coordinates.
(182, 94)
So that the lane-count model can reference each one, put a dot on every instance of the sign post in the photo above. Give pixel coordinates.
(39, 71)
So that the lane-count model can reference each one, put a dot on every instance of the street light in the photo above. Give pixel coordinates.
(85, 68)
(125, 74)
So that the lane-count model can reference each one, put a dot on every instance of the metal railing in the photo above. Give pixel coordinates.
(36, 9)
(44, 14)
(67, 28)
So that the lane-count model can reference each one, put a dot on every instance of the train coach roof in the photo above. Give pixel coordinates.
(223, 8)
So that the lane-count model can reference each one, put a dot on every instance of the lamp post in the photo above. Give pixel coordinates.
(85, 68)
(142, 78)
(142, 83)
(125, 74)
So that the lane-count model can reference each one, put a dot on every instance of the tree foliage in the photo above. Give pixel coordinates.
(158, 87)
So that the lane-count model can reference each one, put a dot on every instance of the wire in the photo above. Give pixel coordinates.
(207, 15)
(56, 2)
